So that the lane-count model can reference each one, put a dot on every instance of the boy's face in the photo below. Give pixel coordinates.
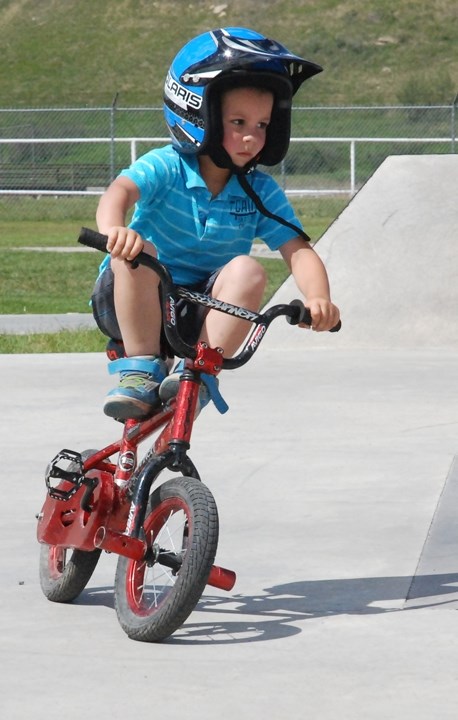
(246, 114)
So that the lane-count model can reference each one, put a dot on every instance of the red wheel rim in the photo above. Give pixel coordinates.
(56, 561)
(145, 593)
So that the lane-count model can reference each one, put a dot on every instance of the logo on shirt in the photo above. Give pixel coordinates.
(241, 209)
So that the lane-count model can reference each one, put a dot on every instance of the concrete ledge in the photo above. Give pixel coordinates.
(28, 324)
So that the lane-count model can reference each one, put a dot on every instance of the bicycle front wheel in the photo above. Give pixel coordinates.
(154, 598)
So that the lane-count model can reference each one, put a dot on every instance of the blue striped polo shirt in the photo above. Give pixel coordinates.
(193, 232)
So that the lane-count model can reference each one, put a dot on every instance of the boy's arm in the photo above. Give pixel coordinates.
(312, 280)
(111, 214)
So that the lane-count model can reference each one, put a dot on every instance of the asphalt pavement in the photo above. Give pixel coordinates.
(336, 479)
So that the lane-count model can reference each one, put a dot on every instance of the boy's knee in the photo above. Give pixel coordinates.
(140, 275)
(249, 270)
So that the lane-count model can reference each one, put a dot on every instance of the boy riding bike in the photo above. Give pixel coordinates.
(199, 205)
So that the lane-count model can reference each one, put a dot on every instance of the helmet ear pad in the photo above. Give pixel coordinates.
(278, 130)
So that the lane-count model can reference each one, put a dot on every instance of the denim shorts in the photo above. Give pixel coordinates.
(190, 317)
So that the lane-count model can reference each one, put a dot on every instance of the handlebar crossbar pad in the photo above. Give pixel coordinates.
(93, 239)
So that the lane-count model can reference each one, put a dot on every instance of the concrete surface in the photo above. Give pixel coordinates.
(392, 258)
(29, 324)
(336, 478)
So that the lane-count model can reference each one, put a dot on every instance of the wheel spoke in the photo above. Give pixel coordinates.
(168, 536)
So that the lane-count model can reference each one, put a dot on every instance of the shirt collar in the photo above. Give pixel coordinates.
(190, 164)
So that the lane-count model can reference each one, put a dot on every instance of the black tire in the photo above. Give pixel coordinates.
(65, 572)
(151, 600)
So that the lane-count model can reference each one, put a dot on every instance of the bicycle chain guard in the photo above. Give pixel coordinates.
(77, 504)
(56, 472)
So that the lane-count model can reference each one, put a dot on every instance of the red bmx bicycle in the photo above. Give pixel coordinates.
(166, 538)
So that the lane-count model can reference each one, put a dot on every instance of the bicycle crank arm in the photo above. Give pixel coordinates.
(120, 544)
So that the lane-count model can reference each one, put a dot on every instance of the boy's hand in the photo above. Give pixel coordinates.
(325, 315)
(124, 243)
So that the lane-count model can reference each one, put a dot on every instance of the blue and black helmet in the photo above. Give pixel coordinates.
(220, 60)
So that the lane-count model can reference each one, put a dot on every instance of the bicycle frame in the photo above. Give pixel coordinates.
(118, 494)
(96, 504)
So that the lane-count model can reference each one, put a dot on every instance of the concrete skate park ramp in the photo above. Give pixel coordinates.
(392, 259)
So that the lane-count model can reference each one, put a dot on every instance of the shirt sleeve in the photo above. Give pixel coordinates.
(151, 174)
(271, 231)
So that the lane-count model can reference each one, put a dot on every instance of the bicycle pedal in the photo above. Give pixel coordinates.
(72, 473)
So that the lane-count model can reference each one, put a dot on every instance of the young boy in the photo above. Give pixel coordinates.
(199, 205)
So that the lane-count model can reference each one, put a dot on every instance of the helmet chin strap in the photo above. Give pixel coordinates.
(223, 160)
(241, 174)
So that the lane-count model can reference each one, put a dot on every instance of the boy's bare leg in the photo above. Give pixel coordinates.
(137, 308)
(139, 316)
(241, 282)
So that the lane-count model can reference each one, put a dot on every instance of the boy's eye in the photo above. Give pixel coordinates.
(239, 122)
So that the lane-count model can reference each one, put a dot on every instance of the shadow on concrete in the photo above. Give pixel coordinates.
(279, 611)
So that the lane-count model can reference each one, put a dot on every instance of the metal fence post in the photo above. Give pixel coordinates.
(352, 166)
(453, 123)
(283, 174)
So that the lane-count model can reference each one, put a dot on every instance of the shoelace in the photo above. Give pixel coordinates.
(136, 380)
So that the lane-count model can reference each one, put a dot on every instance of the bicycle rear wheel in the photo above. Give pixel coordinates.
(65, 572)
(154, 599)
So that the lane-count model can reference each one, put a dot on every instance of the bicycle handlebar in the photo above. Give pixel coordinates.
(295, 312)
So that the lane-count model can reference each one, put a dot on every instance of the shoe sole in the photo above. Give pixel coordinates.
(122, 408)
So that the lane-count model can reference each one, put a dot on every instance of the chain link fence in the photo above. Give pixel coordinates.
(334, 150)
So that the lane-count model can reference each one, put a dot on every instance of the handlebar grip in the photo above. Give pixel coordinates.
(302, 315)
(93, 239)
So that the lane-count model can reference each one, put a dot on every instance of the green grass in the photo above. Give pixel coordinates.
(93, 340)
(60, 300)
(36, 281)
(377, 52)
(51, 222)
(61, 342)
(58, 54)
(55, 282)
(46, 282)
(87, 340)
